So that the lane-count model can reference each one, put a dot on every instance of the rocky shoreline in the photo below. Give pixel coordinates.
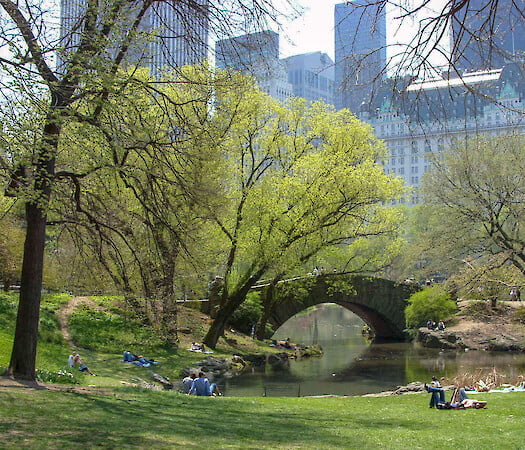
(461, 340)
(216, 369)
(480, 325)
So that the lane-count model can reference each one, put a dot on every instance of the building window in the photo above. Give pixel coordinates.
(413, 146)
(428, 147)
(414, 169)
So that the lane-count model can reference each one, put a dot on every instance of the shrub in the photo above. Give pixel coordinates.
(60, 376)
(8, 306)
(431, 303)
(247, 314)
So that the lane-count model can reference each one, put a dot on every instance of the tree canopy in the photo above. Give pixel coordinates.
(477, 191)
(105, 36)
(299, 178)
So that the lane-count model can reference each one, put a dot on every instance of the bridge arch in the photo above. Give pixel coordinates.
(379, 302)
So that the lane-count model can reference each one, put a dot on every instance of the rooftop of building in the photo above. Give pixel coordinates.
(455, 80)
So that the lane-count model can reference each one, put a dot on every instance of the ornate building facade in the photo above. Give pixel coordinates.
(418, 119)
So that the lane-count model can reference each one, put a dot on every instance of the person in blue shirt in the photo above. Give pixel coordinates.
(201, 387)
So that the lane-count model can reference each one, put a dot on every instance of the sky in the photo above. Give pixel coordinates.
(312, 32)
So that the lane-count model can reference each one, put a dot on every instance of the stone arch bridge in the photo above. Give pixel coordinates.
(379, 302)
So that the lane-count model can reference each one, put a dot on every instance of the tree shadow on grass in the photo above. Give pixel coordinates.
(128, 418)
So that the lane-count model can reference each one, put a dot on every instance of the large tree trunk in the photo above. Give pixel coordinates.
(23, 355)
(229, 303)
(221, 319)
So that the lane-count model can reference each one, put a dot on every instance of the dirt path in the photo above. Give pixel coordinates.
(65, 313)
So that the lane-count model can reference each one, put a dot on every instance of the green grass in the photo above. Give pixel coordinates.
(112, 416)
(132, 418)
(100, 336)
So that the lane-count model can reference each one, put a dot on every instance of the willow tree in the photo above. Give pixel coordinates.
(132, 199)
(298, 179)
(105, 36)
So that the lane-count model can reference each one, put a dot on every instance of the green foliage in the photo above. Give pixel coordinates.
(105, 331)
(248, 313)
(59, 376)
(48, 328)
(336, 286)
(8, 304)
(11, 243)
(297, 291)
(430, 303)
(519, 315)
(474, 196)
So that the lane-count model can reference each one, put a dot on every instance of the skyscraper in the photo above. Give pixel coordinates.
(499, 34)
(258, 55)
(360, 52)
(177, 33)
(311, 76)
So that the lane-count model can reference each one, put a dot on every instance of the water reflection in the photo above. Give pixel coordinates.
(351, 366)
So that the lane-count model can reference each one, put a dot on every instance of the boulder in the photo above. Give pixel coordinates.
(439, 339)
(504, 343)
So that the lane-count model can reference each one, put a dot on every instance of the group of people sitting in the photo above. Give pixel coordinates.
(287, 344)
(431, 325)
(138, 360)
(459, 399)
(200, 386)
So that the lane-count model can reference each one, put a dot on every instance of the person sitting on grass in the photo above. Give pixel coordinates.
(81, 366)
(187, 382)
(201, 387)
(438, 393)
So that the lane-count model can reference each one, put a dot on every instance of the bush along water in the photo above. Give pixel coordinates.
(432, 303)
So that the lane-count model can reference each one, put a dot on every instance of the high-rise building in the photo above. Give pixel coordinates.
(311, 76)
(423, 117)
(499, 34)
(258, 55)
(177, 33)
(360, 52)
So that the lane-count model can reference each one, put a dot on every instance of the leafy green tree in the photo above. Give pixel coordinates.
(476, 202)
(52, 96)
(136, 206)
(300, 178)
(432, 303)
(11, 243)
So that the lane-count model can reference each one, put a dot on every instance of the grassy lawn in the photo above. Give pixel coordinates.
(110, 414)
(131, 418)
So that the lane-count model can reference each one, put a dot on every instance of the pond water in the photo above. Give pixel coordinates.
(352, 366)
